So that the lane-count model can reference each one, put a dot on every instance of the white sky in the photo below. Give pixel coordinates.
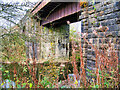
(3, 21)
(18, 1)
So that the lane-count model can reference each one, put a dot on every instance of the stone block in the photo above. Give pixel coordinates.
(114, 28)
(110, 35)
(90, 68)
(116, 9)
(94, 36)
(82, 41)
(97, 24)
(109, 6)
(98, 9)
(89, 4)
(94, 41)
(91, 57)
(101, 34)
(93, 52)
(118, 40)
(115, 33)
(85, 27)
(117, 4)
(80, 17)
(84, 20)
(90, 62)
(117, 20)
(89, 35)
(110, 16)
(91, 11)
(89, 47)
(115, 46)
(100, 40)
(106, 40)
(89, 52)
(111, 22)
(100, 18)
(118, 47)
(89, 30)
(117, 14)
(85, 31)
(86, 23)
(107, 11)
(103, 23)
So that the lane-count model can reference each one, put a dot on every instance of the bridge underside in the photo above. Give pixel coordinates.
(57, 13)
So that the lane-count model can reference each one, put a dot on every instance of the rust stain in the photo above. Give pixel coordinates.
(45, 2)
(64, 11)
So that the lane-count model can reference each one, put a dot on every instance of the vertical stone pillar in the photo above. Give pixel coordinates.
(39, 30)
(0, 58)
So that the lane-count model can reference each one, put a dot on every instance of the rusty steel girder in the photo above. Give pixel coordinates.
(59, 13)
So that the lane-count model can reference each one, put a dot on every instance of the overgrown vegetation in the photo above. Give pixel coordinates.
(50, 74)
(47, 75)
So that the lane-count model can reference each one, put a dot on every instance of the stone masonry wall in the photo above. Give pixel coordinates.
(54, 43)
(106, 13)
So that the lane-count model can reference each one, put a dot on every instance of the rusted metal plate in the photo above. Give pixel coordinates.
(35, 6)
(74, 7)
(62, 12)
(78, 7)
(66, 11)
(51, 17)
(43, 3)
(55, 15)
(69, 9)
